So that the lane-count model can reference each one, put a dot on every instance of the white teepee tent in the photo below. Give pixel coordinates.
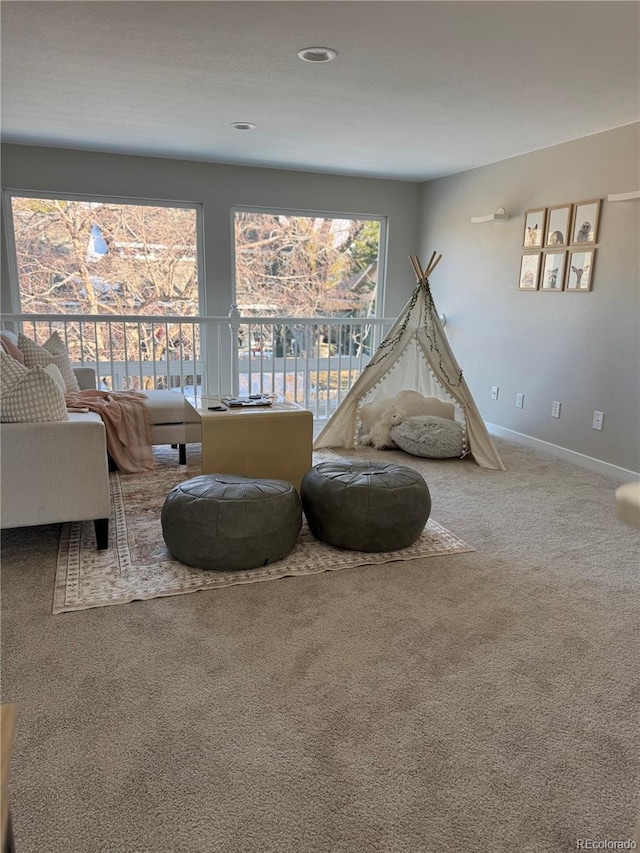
(414, 355)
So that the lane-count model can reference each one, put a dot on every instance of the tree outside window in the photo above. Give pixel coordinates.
(110, 259)
(306, 266)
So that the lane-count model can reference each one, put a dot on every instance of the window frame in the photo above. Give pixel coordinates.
(317, 214)
(12, 256)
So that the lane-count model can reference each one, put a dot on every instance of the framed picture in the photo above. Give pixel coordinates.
(534, 228)
(553, 271)
(586, 217)
(558, 223)
(580, 270)
(529, 271)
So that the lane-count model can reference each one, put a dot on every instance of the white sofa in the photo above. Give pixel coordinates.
(53, 472)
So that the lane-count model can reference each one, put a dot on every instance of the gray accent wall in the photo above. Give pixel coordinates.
(218, 188)
(582, 349)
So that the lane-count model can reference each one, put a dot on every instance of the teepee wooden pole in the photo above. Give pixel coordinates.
(437, 261)
(426, 270)
(423, 274)
(428, 267)
(416, 267)
(433, 262)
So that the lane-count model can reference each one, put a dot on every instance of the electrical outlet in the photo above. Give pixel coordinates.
(495, 389)
(519, 401)
(598, 420)
(555, 409)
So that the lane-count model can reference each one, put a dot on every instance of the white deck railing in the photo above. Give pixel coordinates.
(308, 360)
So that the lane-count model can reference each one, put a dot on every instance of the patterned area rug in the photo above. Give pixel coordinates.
(137, 565)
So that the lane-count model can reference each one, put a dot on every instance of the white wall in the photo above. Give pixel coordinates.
(218, 188)
(582, 349)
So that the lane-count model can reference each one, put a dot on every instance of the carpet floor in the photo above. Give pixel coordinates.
(486, 701)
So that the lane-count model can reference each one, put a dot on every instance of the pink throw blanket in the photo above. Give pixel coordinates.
(126, 419)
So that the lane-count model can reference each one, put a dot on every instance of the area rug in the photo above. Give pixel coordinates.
(137, 566)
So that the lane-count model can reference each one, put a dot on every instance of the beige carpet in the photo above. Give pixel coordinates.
(481, 703)
(138, 566)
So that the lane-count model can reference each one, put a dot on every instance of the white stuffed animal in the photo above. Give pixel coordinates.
(412, 403)
(406, 404)
(380, 435)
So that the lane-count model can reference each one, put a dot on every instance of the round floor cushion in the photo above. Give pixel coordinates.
(429, 436)
(365, 506)
(222, 521)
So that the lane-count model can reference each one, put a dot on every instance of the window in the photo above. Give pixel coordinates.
(309, 265)
(105, 257)
(92, 256)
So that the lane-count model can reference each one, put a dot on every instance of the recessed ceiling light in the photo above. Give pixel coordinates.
(317, 54)
(243, 125)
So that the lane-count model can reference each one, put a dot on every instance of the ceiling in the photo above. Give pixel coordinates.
(419, 89)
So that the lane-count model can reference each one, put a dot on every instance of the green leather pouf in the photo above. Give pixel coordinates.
(222, 521)
(365, 506)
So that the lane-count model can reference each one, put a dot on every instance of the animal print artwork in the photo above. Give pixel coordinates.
(580, 267)
(558, 225)
(583, 235)
(585, 222)
(529, 271)
(534, 221)
(533, 236)
(553, 270)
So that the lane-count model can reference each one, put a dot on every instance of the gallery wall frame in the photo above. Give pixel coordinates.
(553, 271)
(557, 227)
(585, 222)
(529, 271)
(579, 277)
(534, 223)
(565, 236)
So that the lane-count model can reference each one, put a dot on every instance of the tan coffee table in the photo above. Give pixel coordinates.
(272, 441)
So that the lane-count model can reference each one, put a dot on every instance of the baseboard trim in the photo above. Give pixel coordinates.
(573, 456)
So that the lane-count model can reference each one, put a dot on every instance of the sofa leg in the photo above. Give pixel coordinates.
(111, 463)
(182, 454)
(102, 533)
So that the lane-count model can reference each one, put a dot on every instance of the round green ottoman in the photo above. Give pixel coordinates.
(365, 506)
(222, 521)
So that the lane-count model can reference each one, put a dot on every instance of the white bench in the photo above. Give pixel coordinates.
(174, 420)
